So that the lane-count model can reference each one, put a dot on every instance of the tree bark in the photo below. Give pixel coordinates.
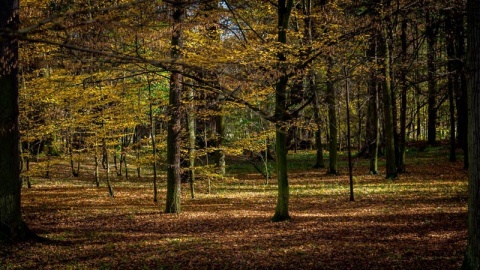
(191, 139)
(450, 46)
(403, 100)
(281, 210)
(332, 120)
(174, 124)
(318, 123)
(472, 254)
(154, 143)
(349, 145)
(372, 110)
(461, 85)
(12, 227)
(432, 91)
(220, 133)
(391, 166)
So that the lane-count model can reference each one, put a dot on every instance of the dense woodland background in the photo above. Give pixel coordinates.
(96, 80)
(173, 92)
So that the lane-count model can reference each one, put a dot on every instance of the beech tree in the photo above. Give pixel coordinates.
(332, 120)
(281, 211)
(472, 255)
(12, 227)
(175, 103)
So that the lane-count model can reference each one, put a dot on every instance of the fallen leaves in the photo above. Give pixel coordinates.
(416, 222)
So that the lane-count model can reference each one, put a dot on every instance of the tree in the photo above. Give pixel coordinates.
(372, 110)
(402, 136)
(318, 133)
(281, 211)
(385, 47)
(174, 123)
(12, 227)
(450, 48)
(432, 87)
(472, 255)
(460, 85)
(332, 120)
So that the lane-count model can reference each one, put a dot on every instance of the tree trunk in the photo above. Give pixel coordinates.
(174, 124)
(220, 133)
(472, 255)
(12, 227)
(432, 91)
(372, 110)
(391, 169)
(403, 101)
(107, 168)
(154, 146)
(96, 173)
(349, 145)
(318, 133)
(332, 120)
(191, 139)
(281, 210)
(450, 44)
(461, 85)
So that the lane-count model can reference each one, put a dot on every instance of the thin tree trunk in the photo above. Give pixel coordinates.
(191, 140)
(461, 85)
(139, 148)
(220, 133)
(372, 110)
(154, 147)
(349, 146)
(318, 133)
(403, 100)
(332, 120)
(107, 168)
(432, 91)
(393, 91)
(450, 44)
(97, 175)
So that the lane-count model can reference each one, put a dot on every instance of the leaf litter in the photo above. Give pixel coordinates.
(415, 222)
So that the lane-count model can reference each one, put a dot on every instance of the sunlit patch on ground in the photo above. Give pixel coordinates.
(416, 222)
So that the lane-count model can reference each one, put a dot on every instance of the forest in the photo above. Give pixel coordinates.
(201, 134)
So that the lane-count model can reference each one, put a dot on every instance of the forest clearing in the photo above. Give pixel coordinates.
(415, 222)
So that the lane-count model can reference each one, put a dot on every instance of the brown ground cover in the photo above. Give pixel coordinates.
(415, 222)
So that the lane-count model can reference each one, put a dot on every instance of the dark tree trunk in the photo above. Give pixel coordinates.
(174, 124)
(391, 165)
(460, 84)
(107, 168)
(332, 120)
(281, 210)
(349, 145)
(450, 44)
(472, 255)
(372, 110)
(403, 101)
(12, 227)
(318, 133)
(432, 85)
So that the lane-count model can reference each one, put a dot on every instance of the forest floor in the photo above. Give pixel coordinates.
(415, 222)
